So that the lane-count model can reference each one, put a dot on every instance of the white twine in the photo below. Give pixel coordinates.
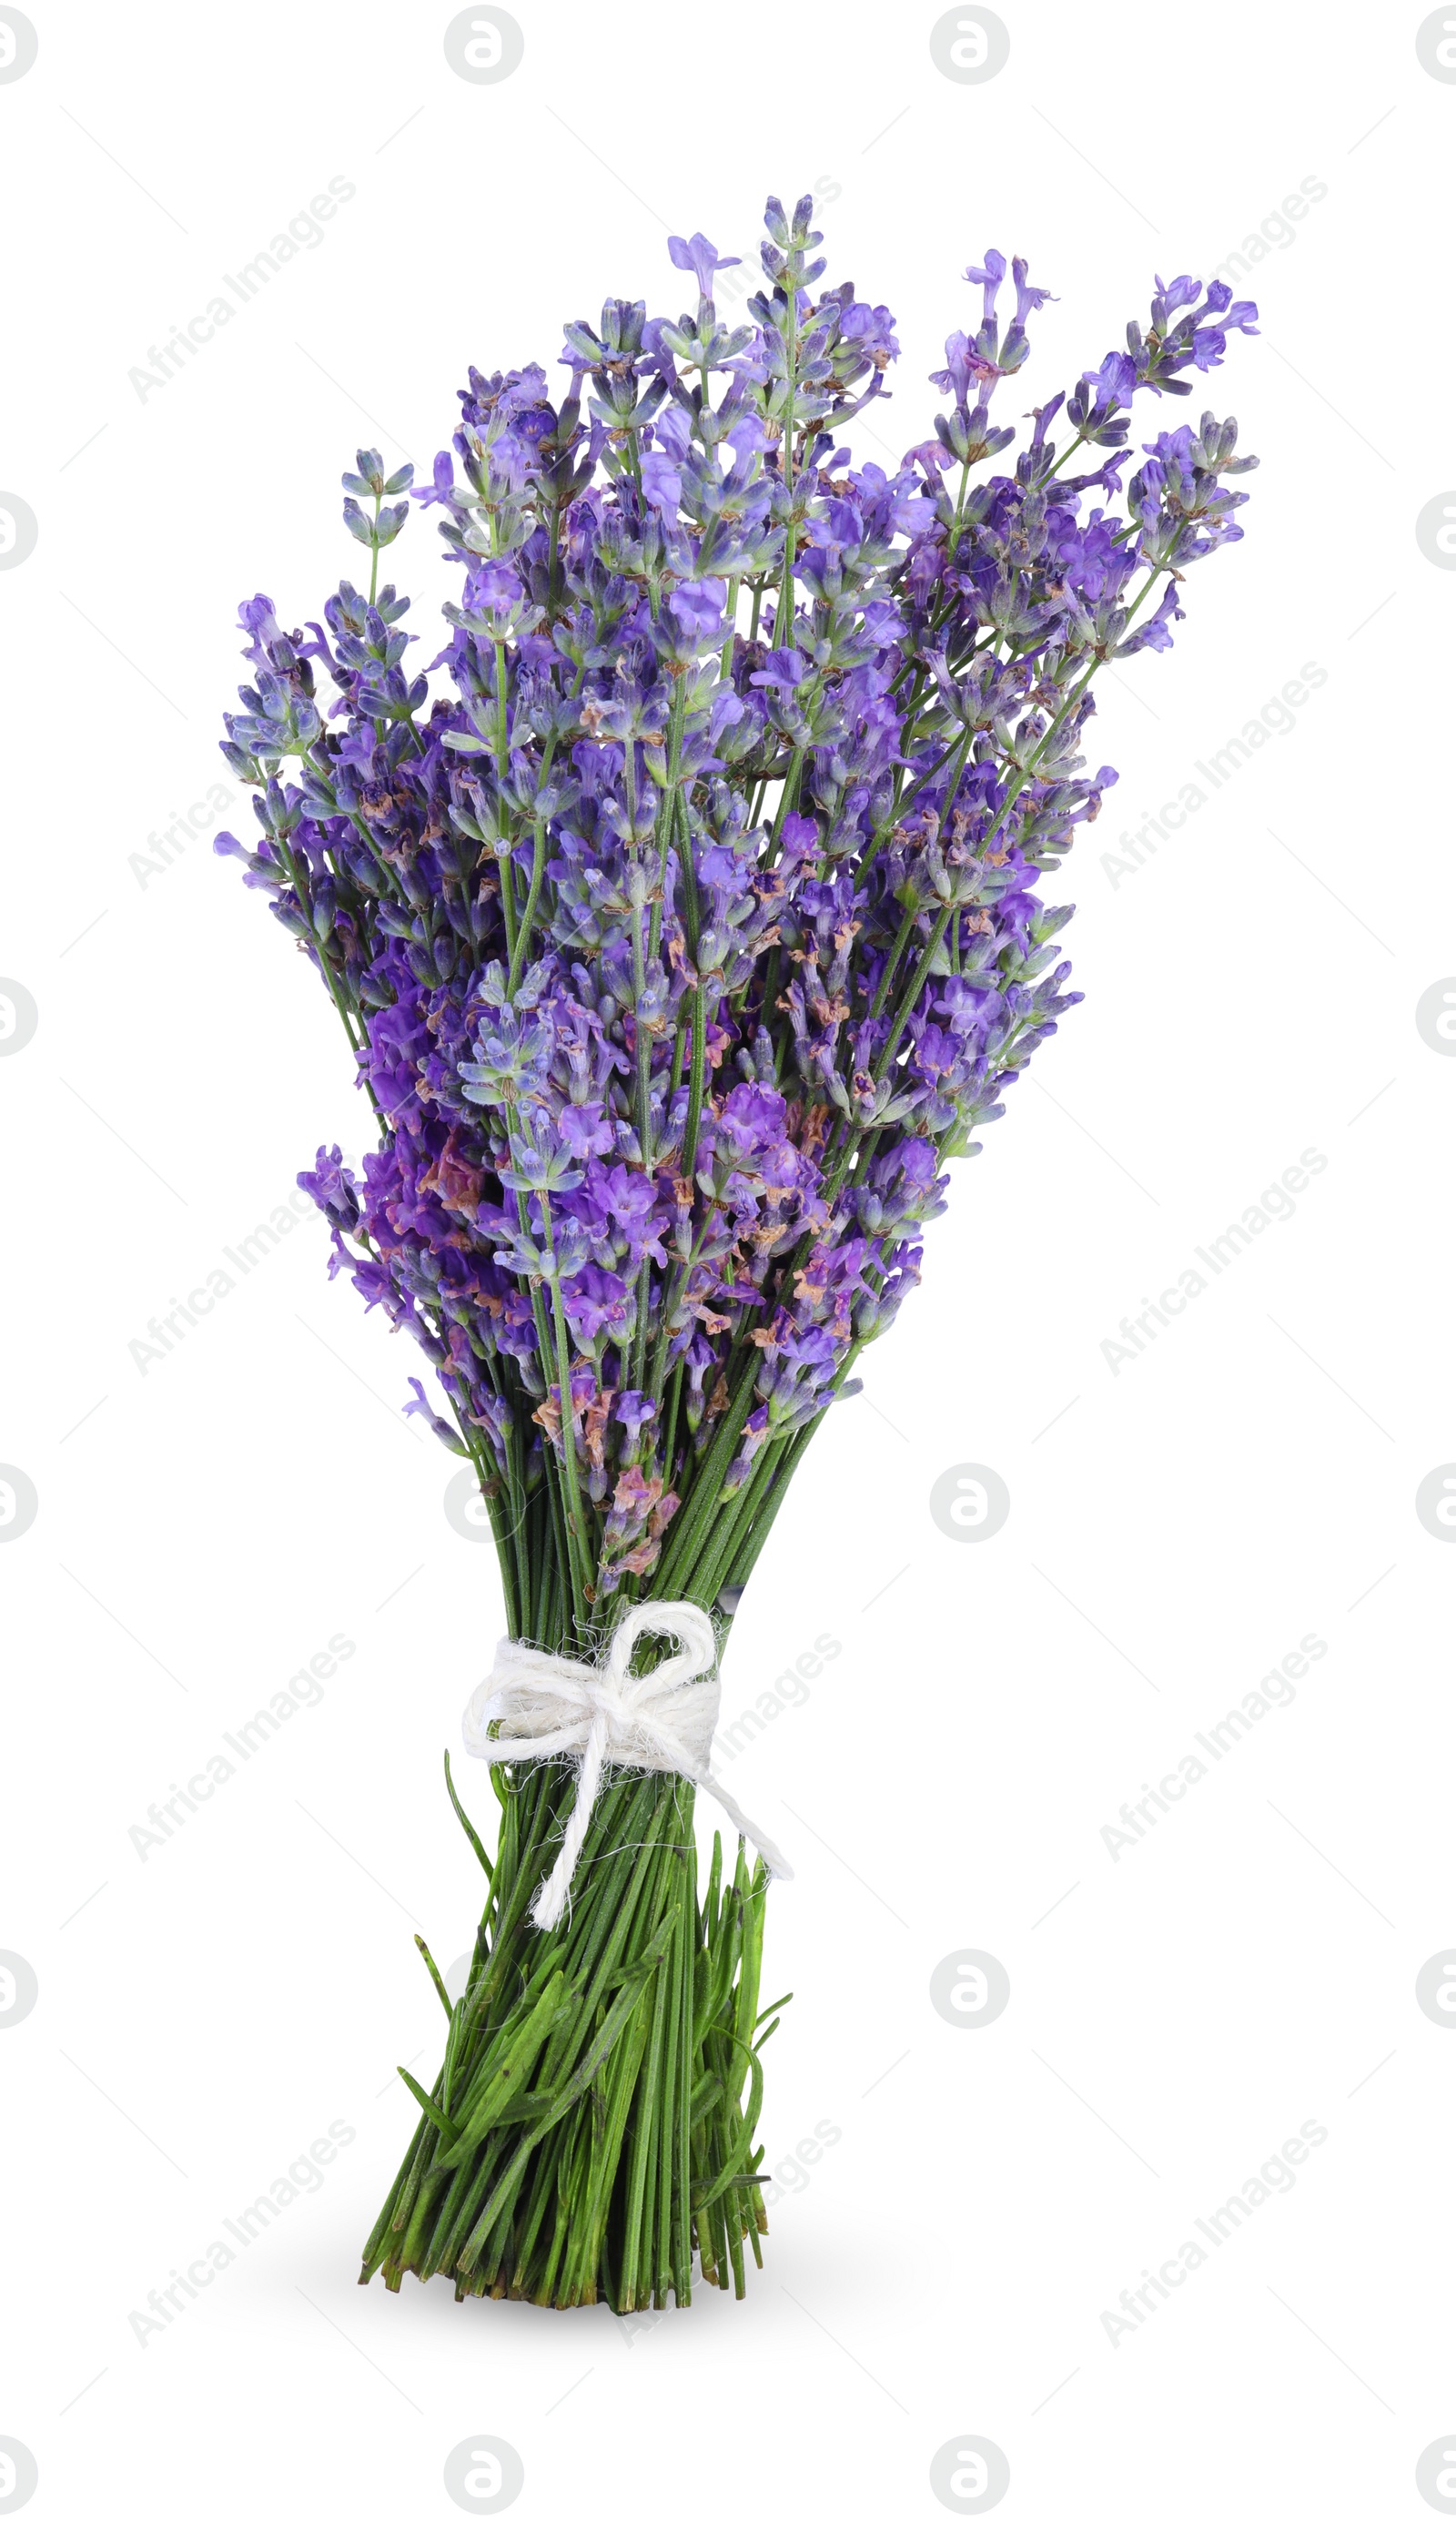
(606, 1716)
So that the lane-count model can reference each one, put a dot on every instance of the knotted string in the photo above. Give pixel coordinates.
(605, 1714)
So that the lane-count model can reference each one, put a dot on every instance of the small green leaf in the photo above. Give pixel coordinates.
(430, 2108)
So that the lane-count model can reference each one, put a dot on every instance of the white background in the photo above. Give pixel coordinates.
(1176, 1527)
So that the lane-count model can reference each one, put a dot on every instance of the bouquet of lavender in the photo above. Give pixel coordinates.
(676, 949)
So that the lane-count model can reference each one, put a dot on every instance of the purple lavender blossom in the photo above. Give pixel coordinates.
(684, 941)
(693, 253)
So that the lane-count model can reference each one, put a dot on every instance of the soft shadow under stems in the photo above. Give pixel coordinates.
(593, 2122)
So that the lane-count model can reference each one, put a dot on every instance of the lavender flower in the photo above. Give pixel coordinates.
(683, 944)
(685, 916)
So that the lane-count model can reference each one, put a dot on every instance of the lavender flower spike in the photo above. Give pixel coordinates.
(687, 917)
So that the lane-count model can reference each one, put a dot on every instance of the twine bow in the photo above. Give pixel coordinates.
(606, 1716)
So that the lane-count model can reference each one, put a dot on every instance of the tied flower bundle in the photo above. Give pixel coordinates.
(678, 947)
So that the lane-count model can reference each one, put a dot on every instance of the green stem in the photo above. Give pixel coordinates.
(579, 1556)
(521, 947)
